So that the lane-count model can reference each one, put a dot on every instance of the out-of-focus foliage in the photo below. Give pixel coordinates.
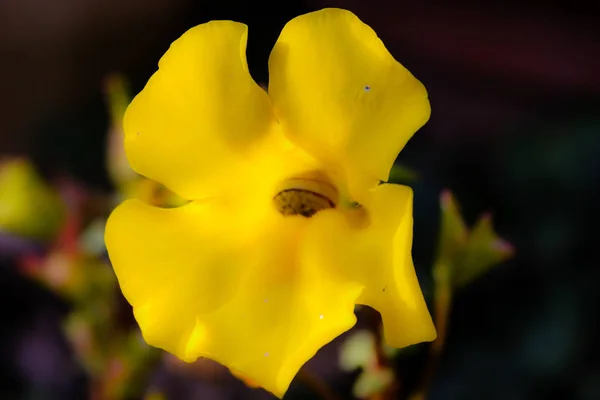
(465, 254)
(75, 266)
(462, 256)
(402, 174)
(28, 206)
(113, 354)
(358, 351)
(372, 383)
(483, 250)
(361, 351)
(118, 97)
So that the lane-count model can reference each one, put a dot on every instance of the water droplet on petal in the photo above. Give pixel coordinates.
(321, 316)
(367, 88)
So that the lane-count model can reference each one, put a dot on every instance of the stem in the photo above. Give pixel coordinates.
(442, 306)
(375, 323)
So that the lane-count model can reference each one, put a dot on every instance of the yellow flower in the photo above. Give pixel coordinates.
(287, 227)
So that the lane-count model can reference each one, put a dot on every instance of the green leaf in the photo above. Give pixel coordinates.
(373, 381)
(118, 97)
(28, 206)
(358, 351)
(484, 249)
(91, 240)
(464, 255)
(402, 174)
(453, 232)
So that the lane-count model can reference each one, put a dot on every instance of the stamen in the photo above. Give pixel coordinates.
(301, 202)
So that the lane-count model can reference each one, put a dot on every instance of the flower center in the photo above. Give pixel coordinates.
(301, 202)
(304, 197)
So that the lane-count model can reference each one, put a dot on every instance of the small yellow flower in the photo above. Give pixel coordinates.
(287, 227)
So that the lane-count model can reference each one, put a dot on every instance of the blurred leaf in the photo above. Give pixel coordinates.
(28, 206)
(79, 278)
(58, 271)
(136, 360)
(373, 381)
(484, 250)
(91, 240)
(151, 192)
(453, 232)
(402, 174)
(358, 351)
(118, 97)
(84, 342)
(464, 255)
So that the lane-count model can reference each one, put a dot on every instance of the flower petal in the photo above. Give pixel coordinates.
(373, 249)
(172, 264)
(340, 94)
(287, 309)
(200, 115)
(207, 281)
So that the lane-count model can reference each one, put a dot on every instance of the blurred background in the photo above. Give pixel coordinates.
(506, 177)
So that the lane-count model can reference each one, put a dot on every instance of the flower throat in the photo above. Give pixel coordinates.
(301, 202)
(304, 197)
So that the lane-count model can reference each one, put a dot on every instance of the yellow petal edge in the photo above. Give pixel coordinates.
(340, 95)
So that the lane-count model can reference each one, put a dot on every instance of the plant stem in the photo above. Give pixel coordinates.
(442, 306)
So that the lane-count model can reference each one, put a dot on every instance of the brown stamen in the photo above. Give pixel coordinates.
(301, 202)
